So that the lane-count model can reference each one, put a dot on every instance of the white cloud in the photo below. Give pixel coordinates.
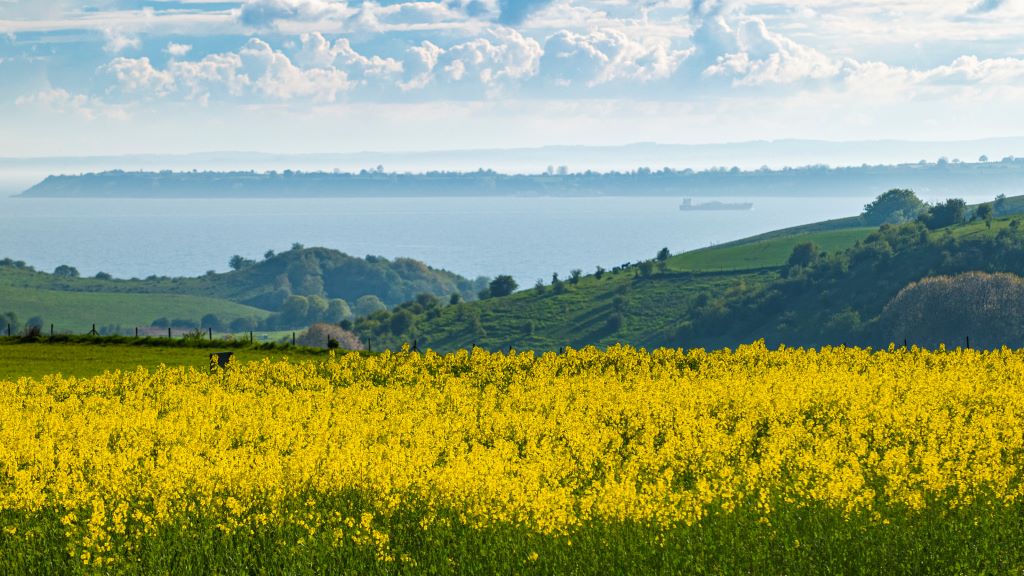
(418, 65)
(506, 56)
(117, 42)
(763, 57)
(178, 50)
(255, 70)
(317, 52)
(604, 56)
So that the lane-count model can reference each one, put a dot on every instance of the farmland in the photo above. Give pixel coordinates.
(747, 461)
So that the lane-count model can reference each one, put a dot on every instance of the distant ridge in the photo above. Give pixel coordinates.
(745, 155)
(1005, 176)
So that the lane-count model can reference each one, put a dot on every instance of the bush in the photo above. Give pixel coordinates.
(322, 335)
(988, 308)
(501, 286)
(65, 271)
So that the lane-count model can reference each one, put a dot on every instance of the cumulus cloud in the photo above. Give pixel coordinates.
(606, 55)
(255, 70)
(178, 50)
(117, 41)
(506, 55)
(318, 52)
(763, 57)
(64, 102)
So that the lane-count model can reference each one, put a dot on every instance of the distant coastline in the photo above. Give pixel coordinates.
(1005, 176)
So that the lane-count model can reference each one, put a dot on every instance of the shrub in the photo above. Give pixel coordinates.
(323, 335)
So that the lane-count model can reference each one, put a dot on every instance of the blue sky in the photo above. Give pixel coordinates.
(129, 76)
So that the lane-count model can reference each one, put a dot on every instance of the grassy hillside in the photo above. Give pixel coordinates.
(721, 296)
(78, 311)
(624, 306)
(320, 277)
(765, 252)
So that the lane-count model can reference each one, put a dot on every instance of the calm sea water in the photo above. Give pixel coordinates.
(528, 238)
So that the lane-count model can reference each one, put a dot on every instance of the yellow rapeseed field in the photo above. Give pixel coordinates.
(338, 451)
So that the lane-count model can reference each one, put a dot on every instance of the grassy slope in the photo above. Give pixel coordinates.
(764, 252)
(83, 360)
(78, 311)
(650, 307)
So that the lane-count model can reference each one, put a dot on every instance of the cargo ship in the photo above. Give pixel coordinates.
(714, 205)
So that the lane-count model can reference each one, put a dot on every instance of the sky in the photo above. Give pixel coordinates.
(302, 76)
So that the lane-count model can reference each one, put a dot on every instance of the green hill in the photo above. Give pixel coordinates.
(309, 280)
(621, 306)
(721, 296)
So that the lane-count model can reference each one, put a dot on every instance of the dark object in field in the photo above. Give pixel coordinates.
(220, 359)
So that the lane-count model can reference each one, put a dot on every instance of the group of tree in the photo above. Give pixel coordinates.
(837, 298)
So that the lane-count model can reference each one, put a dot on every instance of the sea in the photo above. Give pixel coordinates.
(528, 238)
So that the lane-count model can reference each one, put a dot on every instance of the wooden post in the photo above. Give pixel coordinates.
(8, 330)
(968, 342)
(211, 333)
(136, 331)
(51, 329)
(250, 337)
(293, 338)
(168, 332)
(904, 343)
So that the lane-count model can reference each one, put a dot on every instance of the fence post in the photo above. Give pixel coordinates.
(293, 338)
(8, 330)
(168, 332)
(968, 342)
(211, 333)
(51, 329)
(250, 337)
(136, 331)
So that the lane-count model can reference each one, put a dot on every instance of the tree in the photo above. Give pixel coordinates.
(337, 310)
(574, 276)
(599, 272)
(999, 205)
(948, 213)
(401, 322)
(454, 299)
(211, 321)
(803, 255)
(103, 276)
(65, 271)
(984, 212)
(502, 286)
(983, 158)
(539, 287)
(297, 246)
(238, 262)
(268, 254)
(295, 310)
(368, 304)
(663, 254)
(646, 268)
(242, 325)
(894, 207)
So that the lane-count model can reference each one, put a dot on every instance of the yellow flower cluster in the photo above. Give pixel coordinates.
(547, 442)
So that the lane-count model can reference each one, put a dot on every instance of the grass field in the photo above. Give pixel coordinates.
(764, 253)
(78, 311)
(35, 360)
